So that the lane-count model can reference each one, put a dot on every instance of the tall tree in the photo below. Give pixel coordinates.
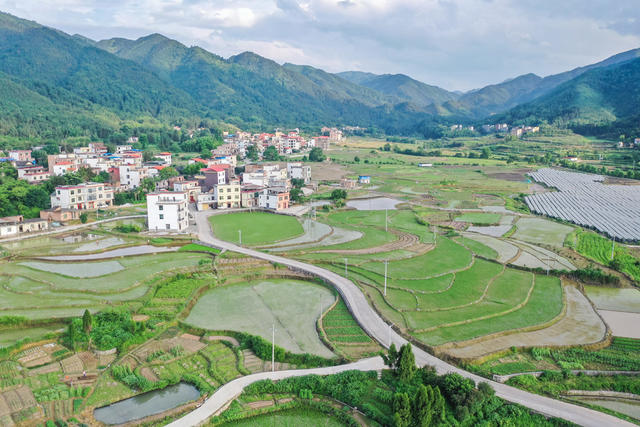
(422, 406)
(401, 410)
(406, 365)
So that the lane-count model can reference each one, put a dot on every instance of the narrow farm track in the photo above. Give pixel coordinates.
(378, 329)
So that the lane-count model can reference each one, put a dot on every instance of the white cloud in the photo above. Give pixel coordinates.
(458, 44)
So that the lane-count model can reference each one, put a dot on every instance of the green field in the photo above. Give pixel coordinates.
(258, 228)
(292, 305)
(288, 418)
(480, 218)
(598, 248)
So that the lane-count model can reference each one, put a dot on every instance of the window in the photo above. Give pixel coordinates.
(168, 226)
(161, 207)
(161, 216)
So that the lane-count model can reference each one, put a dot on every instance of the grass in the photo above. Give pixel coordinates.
(479, 218)
(468, 286)
(540, 230)
(194, 247)
(545, 304)
(292, 305)
(288, 418)
(478, 248)
(10, 336)
(506, 291)
(446, 257)
(258, 228)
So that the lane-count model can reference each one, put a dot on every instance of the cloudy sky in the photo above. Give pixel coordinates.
(456, 44)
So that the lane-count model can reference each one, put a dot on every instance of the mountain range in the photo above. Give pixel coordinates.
(53, 84)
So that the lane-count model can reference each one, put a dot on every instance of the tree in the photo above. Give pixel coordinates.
(486, 153)
(147, 155)
(387, 147)
(401, 410)
(296, 194)
(252, 153)
(271, 154)
(84, 217)
(356, 159)
(316, 155)
(406, 365)
(392, 356)
(168, 172)
(87, 321)
(422, 406)
(338, 194)
(72, 335)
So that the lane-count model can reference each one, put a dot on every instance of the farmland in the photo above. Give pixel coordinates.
(225, 308)
(257, 228)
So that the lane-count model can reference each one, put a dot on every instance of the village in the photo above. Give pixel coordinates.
(218, 181)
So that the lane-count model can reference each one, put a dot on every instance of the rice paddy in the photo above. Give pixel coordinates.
(255, 228)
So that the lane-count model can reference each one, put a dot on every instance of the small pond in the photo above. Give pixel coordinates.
(373, 204)
(624, 406)
(146, 404)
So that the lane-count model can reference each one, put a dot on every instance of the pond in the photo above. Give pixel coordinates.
(146, 404)
(373, 204)
(628, 407)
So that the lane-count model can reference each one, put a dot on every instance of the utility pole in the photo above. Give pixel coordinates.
(386, 261)
(385, 219)
(273, 348)
(389, 337)
(240, 237)
(613, 246)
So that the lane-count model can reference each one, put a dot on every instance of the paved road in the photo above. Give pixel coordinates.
(228, 392)
(376, 327)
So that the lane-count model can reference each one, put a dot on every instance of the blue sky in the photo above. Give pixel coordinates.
(456, 44)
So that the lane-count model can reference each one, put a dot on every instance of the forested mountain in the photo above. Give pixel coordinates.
(55, 85)
(401, 88)
(599, 101)
(247, 89)
(79, 85)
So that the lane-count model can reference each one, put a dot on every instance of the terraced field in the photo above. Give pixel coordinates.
(345, 334)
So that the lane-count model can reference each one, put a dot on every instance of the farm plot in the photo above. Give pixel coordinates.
(79, 270)
(480, 218)
(615, 299)
(257, 228)
(579, 325)
(344, 333)
(292, 305)
(599, 249)
(314, 231)
(10, 336)
(505, 250)
(448, 256)
(540, 230)
(133, 271)
(585, 200)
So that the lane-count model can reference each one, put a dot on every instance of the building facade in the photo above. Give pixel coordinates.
(86, 196)
(167, 211)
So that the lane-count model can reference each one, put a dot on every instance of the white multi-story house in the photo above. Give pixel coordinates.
(64, 166)
(130, 176)
(167, 211)
(164, 158)
(273, 198)
(123, 148)
(89, 196)
(299, 171)
(190, 187)
(33, 174)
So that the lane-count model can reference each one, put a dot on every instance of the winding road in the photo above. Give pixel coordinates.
(377, 328)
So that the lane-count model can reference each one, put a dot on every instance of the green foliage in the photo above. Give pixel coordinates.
(127, 228)
(262, 349)
(270, 154)
(599, 248)
(109, 329)
(84, 217)
(316, 155)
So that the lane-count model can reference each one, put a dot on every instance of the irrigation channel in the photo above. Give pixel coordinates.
(382, 332)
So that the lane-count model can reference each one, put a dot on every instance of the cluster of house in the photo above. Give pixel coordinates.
(125, 167)
(634, 144)
(285, 142)
(264, 186)
(516, 131)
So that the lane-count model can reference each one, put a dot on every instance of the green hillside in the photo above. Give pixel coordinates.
(602, 100)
